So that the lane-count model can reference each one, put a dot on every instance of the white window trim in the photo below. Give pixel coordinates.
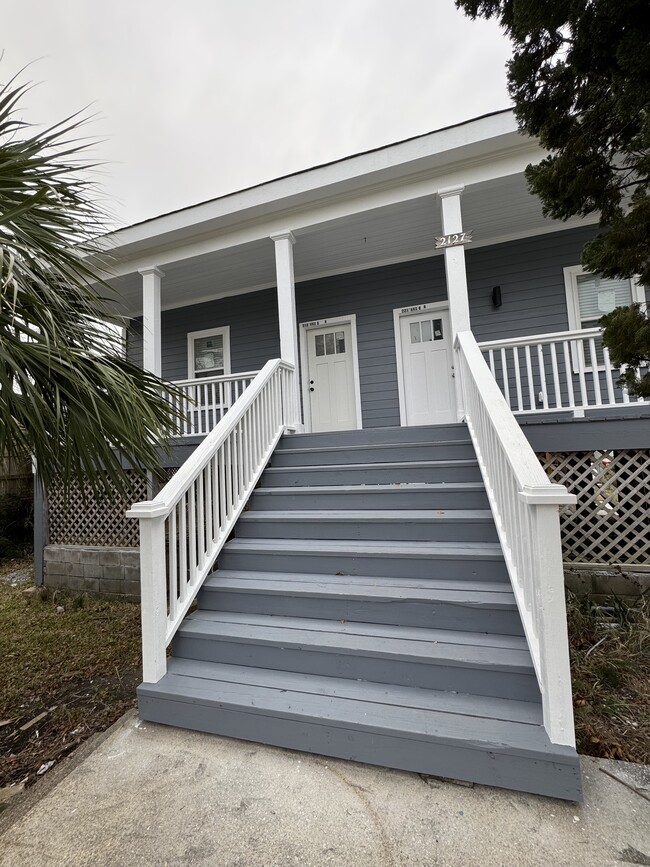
(571, 274)
(433, 306)
(304, 327)
(224, 331)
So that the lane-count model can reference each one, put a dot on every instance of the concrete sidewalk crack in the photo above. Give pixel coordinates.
(359, 791)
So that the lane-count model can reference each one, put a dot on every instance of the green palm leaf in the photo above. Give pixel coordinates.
(68, 394)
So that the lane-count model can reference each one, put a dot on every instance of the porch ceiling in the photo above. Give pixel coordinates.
(404, 230)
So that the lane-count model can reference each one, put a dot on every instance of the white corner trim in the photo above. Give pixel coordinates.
(398, 312)
(351, 320)
(224, 330)
(571, 273)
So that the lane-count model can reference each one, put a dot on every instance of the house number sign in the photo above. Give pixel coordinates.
(453, 240)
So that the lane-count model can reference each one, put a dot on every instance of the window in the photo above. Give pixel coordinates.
(590, 296)
(208, 353)
(331, 343)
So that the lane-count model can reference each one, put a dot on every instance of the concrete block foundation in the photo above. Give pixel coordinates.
(93, 569)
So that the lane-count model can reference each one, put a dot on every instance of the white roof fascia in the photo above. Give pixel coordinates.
(477, 139)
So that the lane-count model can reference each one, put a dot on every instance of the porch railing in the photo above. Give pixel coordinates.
(569, 371)
(525, 508)
(183, 529)
(205, 401)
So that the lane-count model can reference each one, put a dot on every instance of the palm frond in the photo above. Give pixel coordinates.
(68, 394)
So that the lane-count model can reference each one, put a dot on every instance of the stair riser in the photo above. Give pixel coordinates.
(366, 499)
(399, 531)
(369, 436)
(479, 765)
(379, 669)
(469, 568)
(438, 615)
(372, 475)
(375, 455)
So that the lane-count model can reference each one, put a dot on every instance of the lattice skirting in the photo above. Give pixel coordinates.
(610, 525)
(90, 520)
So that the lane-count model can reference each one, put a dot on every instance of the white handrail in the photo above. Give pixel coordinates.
(183, 529)
(552, 337)
(567, 371)
(205, 401)
(525, 505)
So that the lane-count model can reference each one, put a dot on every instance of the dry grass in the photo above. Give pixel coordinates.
(610, 664)
(79, 667)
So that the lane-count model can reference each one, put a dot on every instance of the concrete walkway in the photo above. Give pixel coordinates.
(151, 795)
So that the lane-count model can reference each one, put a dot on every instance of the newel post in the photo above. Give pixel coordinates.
(557, 700)
(153, 588)
(452, 223)
(550, 608)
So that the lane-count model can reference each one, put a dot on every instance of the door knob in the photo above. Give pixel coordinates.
(311, 389)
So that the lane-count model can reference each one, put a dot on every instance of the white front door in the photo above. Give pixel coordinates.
(427, 362)
(331, 382)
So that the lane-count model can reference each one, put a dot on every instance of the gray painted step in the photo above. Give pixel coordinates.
(426, 525)
(467, 560)
(450, 495)
(428, 433)
(373, 474)
(378, 600)
(382, 629)
(485, 707)
(380, 453)
(517, 754)
(502, 586)
(468, 662)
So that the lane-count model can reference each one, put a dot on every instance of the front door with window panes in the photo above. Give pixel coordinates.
(332, 399)
(427, 363)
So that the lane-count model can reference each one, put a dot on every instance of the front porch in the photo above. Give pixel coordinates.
(550, 375)
(373, 543)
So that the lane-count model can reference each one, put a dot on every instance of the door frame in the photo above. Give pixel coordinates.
(304, 327)
(398, 313)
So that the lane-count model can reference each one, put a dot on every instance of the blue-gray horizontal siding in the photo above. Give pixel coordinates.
(373, 295)
(254, 332)
(529, 272)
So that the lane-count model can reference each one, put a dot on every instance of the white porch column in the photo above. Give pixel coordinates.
(151, 340)
(452, 222)
(284, 242)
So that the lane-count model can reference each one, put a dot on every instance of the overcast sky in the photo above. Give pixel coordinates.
(203, 97)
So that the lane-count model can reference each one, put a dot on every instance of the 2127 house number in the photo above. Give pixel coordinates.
(453, 240)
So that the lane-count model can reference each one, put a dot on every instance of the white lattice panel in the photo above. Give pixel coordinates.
(610, 524)
(75, 520)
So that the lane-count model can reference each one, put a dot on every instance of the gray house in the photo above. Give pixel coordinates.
(400, 423)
